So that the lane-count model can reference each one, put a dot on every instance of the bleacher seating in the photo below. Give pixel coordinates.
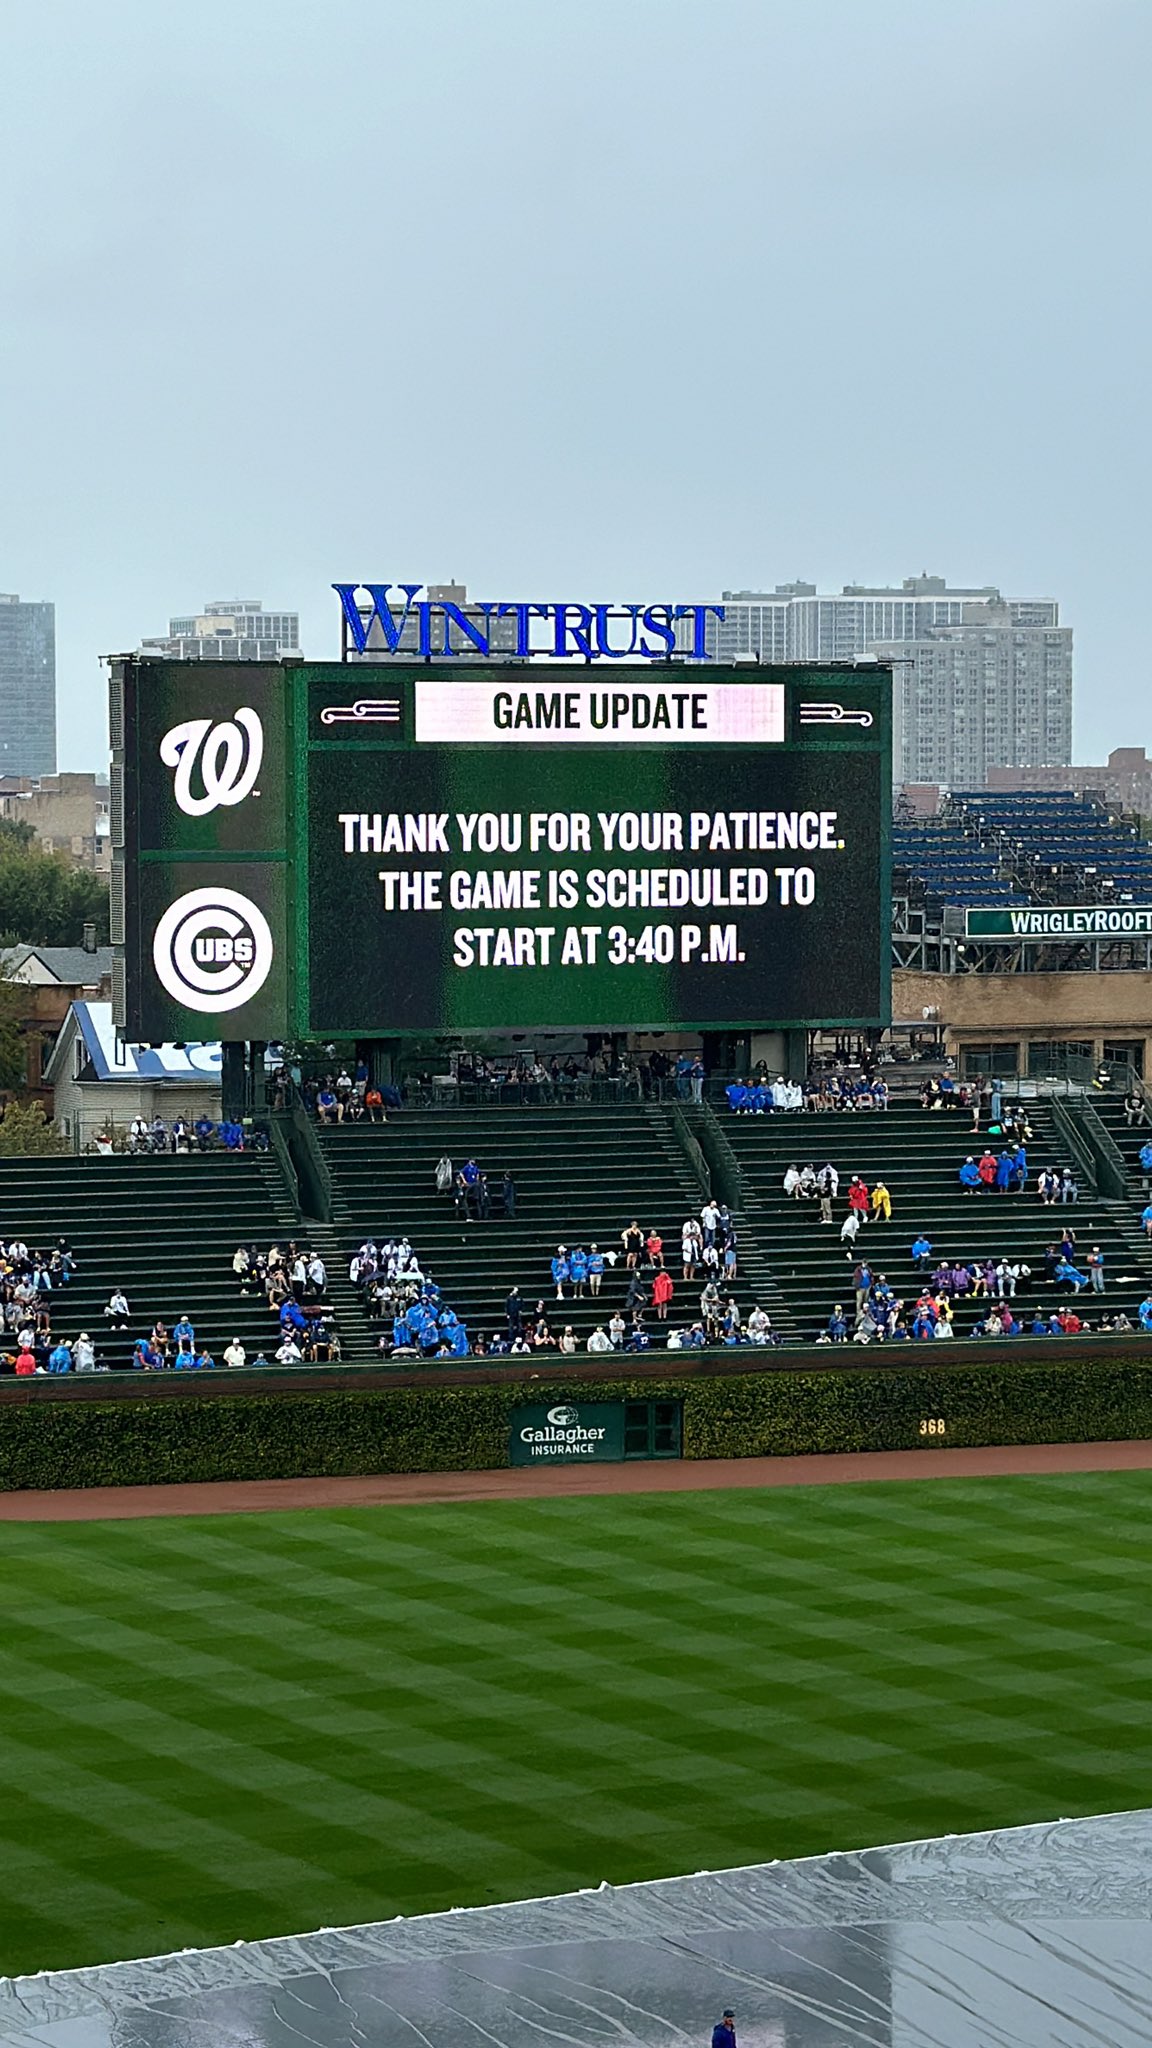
(995, 847)
(918, 1154)
(582, 1173)
(164, 1228)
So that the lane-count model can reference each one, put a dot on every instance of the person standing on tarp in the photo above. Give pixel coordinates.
(724, 2032)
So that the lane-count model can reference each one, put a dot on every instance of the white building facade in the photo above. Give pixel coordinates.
(980, 681)
(236, 629)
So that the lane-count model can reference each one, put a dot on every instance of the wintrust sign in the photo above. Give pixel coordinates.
(432, 627)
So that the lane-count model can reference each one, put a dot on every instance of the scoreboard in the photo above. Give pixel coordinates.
(359, 850)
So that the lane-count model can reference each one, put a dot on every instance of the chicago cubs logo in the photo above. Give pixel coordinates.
(212, 950)
(229, 755)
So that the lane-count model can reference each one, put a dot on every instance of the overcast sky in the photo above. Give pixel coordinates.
(619, 299)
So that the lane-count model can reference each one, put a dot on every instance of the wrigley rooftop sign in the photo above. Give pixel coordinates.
(1072, 921)
(394, 618)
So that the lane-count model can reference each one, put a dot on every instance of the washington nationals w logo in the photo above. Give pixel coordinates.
(229, 755)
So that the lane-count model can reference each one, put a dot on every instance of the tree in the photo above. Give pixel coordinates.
(44, 900)
(24, 1128)
(12, 1056)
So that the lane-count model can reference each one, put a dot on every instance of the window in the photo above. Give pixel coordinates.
(1125, 1052)
(988, 1059)
(1055, 1055)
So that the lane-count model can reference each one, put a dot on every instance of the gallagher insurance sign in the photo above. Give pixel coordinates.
(568, 1433)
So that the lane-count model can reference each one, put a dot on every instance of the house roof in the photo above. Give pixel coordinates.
(112, 1060)
(69, 966)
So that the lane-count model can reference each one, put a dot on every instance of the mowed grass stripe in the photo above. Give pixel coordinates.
(262, 1723)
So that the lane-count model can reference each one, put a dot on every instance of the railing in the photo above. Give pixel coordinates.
(690, 1146)
(312, 1178)
(1069, 1131)
(1111, 1170)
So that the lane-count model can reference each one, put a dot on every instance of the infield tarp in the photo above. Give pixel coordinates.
(1032, 1937)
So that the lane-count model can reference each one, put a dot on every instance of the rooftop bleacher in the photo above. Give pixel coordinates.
(994, 847)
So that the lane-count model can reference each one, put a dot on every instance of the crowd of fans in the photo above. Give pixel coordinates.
(880, 1314)
(33, 1289)
(396, 1290)
(759, 1096)
(294, 1282)
(147, 1140)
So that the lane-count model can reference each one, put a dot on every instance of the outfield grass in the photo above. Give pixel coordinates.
(233, 1727)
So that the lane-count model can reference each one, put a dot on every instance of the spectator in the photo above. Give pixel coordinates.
(850, 1227)
(567, 1340)
(578, 1270)
(632, 1239)
(1134, 1109)
(444, 1175)
(1005, 1168)
(662, 1292)
(837, 1326)
(184, 1334)
(1144, 1312)
(654, 1246)
(84, 1353)
(145, 1357)
(60, 1357)
(26, 1361)
(881, 1203)
(1095, 1265)
(117, 1311)
(616, 1330)
(792, 1182)
(508, 1194)
(599, 1340)
(561, 1271)
(1146, 1219)
(970, 1175)
(827, 1187)
(235, 1355)
(1146, 1156)
(287, 1352)
(858, 1197)
(921, 1251)
(637, 1295)
(595, 1269)
(1007, 1275)
(1069, 1189)
(514, 1310)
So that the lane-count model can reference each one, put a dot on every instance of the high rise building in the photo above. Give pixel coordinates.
(237, 629)
(27, 687)
(980, 681)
